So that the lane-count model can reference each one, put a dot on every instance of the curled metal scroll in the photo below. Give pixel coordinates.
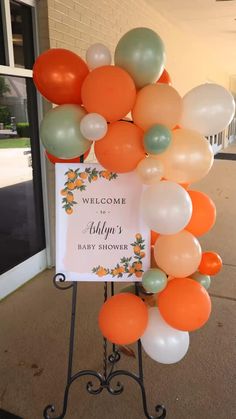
(60, 279)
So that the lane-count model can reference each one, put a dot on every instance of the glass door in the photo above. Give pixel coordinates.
(22, 233)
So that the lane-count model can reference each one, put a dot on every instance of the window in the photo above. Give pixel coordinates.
(21, 211)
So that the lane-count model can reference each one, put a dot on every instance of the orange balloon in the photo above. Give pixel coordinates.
(203, 215)
(123, 318)
(122, 147)
(185, 185)
(54, 159)
(211, 263)
(154, 237)
(165, 78)
(109, 91)
(58, 74)
(157, 104)
(184, 304)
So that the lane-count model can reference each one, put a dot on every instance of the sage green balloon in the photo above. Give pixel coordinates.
(204, 280)
(154, 280)
(60, 132)
(157, 139)
(141, 53)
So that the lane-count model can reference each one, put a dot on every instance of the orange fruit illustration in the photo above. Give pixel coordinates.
(69, 210)
(120, 270)
(131, 270)
(71, 175)
(79, 183)
(94, 178)
(105, 174)
(142, 254)
(137, 249)
(138, 265)
(70, 197)
(114, 272)
(101, 271)
(83, 175)
(138, 236)
(63, 192)
(138, 274)
(71, 186)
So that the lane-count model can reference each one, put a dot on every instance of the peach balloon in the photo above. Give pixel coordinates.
(157, 104)
(179, 254)
(153, 262)
(149, 170)
(188, 158)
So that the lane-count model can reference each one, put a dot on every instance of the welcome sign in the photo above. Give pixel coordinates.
(100, 235)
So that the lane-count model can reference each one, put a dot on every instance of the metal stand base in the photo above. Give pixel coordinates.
(103, 381)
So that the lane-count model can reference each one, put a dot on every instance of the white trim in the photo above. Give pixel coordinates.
(42, 154)
(8, 29)
(44, 178)
(20, 274)
(31, 3)
(15, 71)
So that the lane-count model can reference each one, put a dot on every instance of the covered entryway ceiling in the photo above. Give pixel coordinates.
(212, 21)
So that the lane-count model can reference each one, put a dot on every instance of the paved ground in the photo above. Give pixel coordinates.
(34, 341)
(14, 166)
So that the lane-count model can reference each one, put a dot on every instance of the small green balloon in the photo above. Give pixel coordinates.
(157, 139)
(154, 280)
(141, 53)
(129, 288)
(204, 280)
(60, 132)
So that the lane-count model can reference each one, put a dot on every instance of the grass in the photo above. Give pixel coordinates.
(15, 143)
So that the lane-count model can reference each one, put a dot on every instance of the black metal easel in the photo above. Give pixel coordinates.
(104, 380)
(109, 362)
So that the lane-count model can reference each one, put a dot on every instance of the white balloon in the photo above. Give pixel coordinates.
(161, 342)
(98, 55)
(166, 207)
(208, 109)
(93, 126)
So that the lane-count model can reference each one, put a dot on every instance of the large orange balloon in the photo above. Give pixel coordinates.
(122, 147)
(165, 78)
(157, 104)
(123, 318)
(109, 91)
(154, 237)
(58, 74)
(54, 159)
(203, 215)
(184, 304)
(211, 263)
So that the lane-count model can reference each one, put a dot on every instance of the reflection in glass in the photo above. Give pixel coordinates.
(21, 220)
(2, 48)
(22, 34)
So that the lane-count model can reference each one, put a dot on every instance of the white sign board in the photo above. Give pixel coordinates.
(100, 235)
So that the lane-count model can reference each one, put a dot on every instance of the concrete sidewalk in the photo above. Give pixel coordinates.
(34, 341)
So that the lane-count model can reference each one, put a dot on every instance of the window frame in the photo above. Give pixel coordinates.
(10, 70)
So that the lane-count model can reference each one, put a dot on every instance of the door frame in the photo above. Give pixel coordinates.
(23, 272)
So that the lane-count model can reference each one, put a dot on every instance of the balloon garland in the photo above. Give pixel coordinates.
(167, 148)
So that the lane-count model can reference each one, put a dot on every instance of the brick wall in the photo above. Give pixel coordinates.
(76, 24)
